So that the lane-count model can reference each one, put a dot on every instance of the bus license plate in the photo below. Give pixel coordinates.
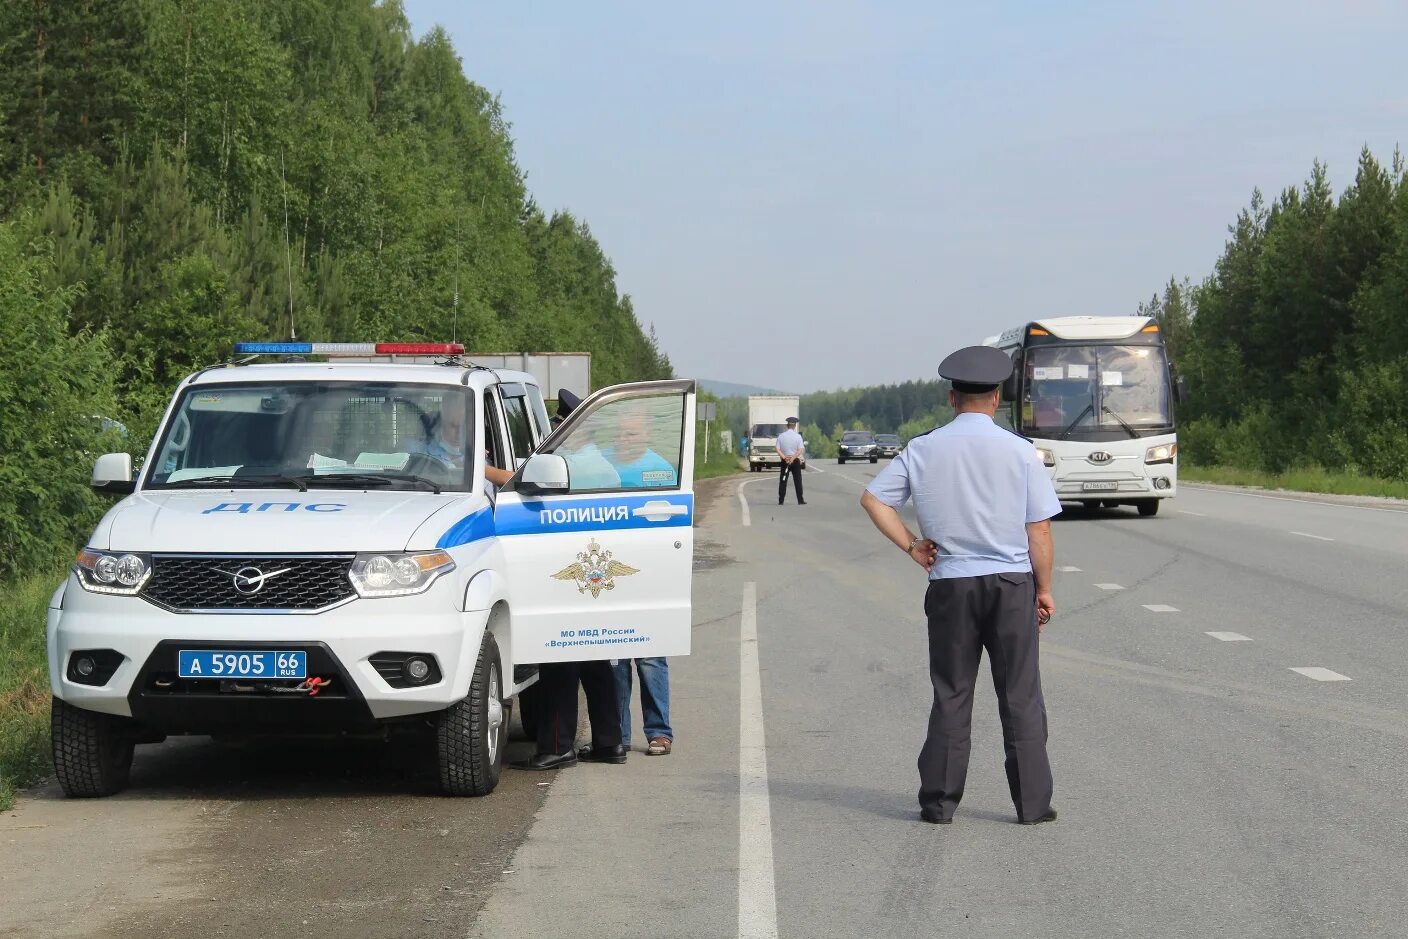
(243, 664)
(1100, 487)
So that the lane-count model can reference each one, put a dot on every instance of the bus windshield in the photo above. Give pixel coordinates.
(1105, 387)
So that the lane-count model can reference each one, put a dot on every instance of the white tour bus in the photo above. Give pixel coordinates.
(1094, 394)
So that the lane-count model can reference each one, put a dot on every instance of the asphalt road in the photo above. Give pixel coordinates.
(1206, 787)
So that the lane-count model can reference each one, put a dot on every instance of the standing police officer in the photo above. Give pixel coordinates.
(984, 501)
(790, 446)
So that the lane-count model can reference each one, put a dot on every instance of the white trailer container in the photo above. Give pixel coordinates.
(767, 417)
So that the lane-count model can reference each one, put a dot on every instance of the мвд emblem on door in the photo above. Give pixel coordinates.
(595, 570)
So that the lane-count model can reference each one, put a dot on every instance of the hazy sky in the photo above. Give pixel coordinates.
(821, 194)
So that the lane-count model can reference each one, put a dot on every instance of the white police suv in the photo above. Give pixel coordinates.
(312, 546)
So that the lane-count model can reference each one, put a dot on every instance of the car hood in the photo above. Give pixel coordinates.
(274, 521)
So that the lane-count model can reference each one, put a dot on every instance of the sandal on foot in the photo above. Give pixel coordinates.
(659, 746)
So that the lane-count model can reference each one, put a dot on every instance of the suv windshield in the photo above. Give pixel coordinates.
(319, 435)
(887, 438)
(1070, 387)
(858, 437)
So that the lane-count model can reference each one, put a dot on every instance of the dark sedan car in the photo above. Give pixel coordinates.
(888, 445)
(857, 445)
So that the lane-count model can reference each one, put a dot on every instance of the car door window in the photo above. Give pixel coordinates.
(493, 433)
(520, 432)
(626, 445)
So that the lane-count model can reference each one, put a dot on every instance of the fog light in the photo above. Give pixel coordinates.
(1161, 483)
(417, 670)
(84, 666)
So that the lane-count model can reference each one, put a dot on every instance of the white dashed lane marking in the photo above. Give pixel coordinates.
(1069, 570)
(1306, 534)
(1186, 512)
(1321, 674)
(1160, 608)
(1229, 637)
(1109, 586)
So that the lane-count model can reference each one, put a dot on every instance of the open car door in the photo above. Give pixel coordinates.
(597, 530)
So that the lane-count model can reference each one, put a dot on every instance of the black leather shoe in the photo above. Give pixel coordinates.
(934, 818)
(1050, 816)
(546, 761)
(616, 754)
(801, 501)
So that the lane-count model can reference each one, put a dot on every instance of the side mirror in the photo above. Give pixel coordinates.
(1009, 387)
(113, 473)
(1180, 390)
(544, 472)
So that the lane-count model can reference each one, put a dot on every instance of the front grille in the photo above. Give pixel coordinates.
(184, 582)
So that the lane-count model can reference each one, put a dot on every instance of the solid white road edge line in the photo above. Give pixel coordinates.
(743, 503)
(757, 891)
(1306, 534)
(1321, 674)
(1229, 637)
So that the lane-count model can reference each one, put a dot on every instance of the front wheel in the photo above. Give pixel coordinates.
(470, 735)
(1148, 507)
(92, 751)
(841, 460)
(875, 459)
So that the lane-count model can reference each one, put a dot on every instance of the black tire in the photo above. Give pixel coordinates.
(875, 459)
(92, 751)
(471, 735)
(1148, 507)
(530, 709)
(841, 460)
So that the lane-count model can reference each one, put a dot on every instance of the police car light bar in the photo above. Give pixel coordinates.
(348, 348)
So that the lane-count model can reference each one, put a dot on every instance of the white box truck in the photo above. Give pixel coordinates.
(767, 417)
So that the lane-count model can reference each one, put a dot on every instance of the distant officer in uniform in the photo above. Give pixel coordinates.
(984, 501)
(790, 446)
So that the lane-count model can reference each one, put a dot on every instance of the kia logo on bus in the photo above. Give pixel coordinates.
(1100, 456)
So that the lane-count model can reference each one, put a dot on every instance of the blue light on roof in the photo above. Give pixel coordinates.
(275, 348)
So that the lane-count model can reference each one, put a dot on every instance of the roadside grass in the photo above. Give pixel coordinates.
(24, 682)
(719, 464)
(1304, 479)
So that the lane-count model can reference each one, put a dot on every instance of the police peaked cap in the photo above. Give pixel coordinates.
(566, 402)
(791, 420)
(976, 369)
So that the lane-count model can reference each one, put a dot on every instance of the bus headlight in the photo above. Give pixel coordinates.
(1047, 457)
(398, 575)
(1163, 453)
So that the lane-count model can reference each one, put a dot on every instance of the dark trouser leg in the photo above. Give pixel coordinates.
(797, 478)
(954, 610)
(1014, 653)
(603, 702)
(782, 483)
(557, 728)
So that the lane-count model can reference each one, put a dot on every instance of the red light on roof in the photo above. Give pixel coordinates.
(419, 348)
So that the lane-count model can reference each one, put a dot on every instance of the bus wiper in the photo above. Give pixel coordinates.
(1079, 417)
(1123, 423)
(222, 481)
(363, 479)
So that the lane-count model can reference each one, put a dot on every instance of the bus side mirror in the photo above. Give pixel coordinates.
(1009, 387)
(1180, 390)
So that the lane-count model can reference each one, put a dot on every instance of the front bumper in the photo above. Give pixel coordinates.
(340, 644)
(858, 454)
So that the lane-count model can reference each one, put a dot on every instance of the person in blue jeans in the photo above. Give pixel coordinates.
(654, 702)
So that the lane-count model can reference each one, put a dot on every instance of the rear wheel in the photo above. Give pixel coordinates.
(92, 751)
(1148, 506)
(470, 735)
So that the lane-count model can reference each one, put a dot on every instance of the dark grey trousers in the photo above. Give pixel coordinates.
(966, 615)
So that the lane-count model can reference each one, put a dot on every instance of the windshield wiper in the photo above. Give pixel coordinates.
(1123, 423)
(1079, 417)
(222, 481)
(362, 479)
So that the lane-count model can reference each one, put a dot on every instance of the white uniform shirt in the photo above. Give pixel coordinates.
(790, 443)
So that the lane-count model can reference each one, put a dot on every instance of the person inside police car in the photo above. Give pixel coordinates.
(983, 501)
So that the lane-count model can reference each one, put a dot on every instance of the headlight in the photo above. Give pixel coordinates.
(398, 575)
(1164, 453)
(111, 572)
(1047, 457)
